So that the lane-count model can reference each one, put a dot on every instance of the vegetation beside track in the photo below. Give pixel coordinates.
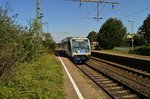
(20, 44)
(28, 68)
(138, 50)
(143, 50)
(41, 78)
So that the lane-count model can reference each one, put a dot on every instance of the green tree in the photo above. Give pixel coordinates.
(144, 30)
(49, 43)
(138, 40)
(111, 34)
(19, 44)
(32, 42)
(92, 36)
(10, 48)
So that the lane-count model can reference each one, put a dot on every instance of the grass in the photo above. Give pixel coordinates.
(42, 78)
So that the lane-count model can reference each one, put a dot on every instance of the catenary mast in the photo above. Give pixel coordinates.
(39, 13)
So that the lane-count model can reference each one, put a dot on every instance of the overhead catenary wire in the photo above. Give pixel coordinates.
(98, 2)
(89, 12)
(94, 8)
(102, 8)
(134, 13)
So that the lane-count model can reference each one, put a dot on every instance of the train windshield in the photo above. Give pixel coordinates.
(80, 44)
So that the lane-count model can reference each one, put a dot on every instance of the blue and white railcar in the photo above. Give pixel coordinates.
(77, 48)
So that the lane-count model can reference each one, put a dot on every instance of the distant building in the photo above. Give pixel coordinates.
(128, 36)
(94, 43)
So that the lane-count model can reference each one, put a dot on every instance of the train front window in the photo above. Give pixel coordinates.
(80, 44)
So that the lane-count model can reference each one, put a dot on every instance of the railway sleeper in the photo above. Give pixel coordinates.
(132, 96)
(124, 94)
(107, 82)
(109, 85)
(97, 77)
(103, 79)
(100, 77)
(118, 91)
(116, 88)
(96, 74)
(122, 91)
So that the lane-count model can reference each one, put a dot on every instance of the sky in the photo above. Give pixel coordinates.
(69, 18)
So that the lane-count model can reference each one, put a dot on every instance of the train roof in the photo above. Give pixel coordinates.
(68, 38)
(78, 38)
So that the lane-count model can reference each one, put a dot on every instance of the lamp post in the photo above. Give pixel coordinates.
(132, 40)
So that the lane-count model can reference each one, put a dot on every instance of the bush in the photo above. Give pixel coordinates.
(48, 42)
(138, 40)
(18, 44)
(10, 42)
(144, 50)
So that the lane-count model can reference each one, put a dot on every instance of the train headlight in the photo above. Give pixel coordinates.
(78, 51)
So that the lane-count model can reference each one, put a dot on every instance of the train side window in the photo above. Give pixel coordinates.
(69, 46)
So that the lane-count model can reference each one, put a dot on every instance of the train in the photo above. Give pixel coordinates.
(77, 49)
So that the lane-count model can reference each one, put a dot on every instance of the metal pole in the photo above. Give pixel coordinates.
(132, 36)
(97, 11)
(132, 40)
(41, 15)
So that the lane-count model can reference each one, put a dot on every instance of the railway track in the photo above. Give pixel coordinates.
(135, 71)
(117, 80)
(130, 61)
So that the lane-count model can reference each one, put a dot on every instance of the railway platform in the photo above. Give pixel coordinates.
(119, 53)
